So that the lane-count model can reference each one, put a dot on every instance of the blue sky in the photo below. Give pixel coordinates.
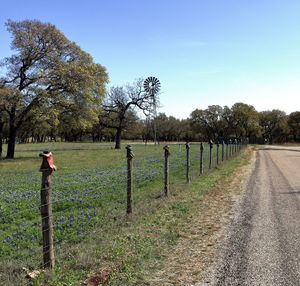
(203, 52)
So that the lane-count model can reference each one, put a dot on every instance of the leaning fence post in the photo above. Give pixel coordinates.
(187, 147)
(201, 158)
(46, 208)
(167, 154)
(130, 156)
(210, 152)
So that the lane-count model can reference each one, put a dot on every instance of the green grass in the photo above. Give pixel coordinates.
(89, 193)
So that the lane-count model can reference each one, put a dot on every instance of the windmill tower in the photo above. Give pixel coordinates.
(152, 87)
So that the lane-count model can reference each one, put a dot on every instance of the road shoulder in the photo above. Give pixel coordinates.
(192, 259)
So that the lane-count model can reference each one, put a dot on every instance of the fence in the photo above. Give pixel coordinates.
(91, 198)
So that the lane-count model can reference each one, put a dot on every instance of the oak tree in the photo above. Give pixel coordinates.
(119, 101)
(47, 69)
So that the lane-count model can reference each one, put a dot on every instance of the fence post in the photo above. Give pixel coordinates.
(230, 148)
(222, 150)
(167, 154)
(226, 150)
(130, 156)
(235, 145)
(210, 152)
(201, 158)
(187, 147)
(218, 153)
(46, 209)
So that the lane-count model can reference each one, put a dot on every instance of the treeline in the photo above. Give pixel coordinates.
(52, 90)
(242, 120)
(215, 123)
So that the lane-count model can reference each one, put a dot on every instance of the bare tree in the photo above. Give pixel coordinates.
(119, 101)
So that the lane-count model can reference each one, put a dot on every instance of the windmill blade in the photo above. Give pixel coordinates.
(152, 85)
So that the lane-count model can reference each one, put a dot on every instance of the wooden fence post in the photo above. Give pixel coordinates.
(46, 209)
(201, 158)
(167, 154)
(222, 150)
(210, 153)
(130, 156)
(235, 146)
(226, 150)
(187, 147)
(218, 153)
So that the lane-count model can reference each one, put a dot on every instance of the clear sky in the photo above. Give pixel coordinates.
(204, 52)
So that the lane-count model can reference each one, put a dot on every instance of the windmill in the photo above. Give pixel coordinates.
(152, 86)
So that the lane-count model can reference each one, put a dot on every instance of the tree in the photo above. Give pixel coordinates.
(119, 101)
(48, 70)
(241, 120)
(170, 129)
(1, 130)
(209, 122)
(134, 126)
(274, 124)
(294, 124)
(41, 123)
(3, 117)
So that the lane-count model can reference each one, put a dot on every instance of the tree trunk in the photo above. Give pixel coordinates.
(118, 138)
(12, 134)
(11, 142)
(1, 134)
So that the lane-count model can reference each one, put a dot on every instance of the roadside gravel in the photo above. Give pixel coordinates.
(262, 239)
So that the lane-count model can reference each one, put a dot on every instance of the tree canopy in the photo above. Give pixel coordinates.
(46, 70)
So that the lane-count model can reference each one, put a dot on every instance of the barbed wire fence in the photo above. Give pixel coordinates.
(93, 198)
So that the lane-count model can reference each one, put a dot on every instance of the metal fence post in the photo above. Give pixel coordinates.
(167, 154)
(187, 147)
(46, 209)
(130, 156)
(201, 158)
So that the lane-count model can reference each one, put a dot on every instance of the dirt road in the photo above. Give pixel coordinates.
(262, 241)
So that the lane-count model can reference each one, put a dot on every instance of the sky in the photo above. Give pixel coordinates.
(204, 52)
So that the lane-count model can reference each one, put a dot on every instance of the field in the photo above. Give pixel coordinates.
(89, 204)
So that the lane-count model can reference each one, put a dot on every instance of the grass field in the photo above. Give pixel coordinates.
(89, 203)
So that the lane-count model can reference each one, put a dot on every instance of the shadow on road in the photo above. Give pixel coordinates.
(278, 149)
(290, 193)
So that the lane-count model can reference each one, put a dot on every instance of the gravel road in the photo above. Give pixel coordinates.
(262, 240)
